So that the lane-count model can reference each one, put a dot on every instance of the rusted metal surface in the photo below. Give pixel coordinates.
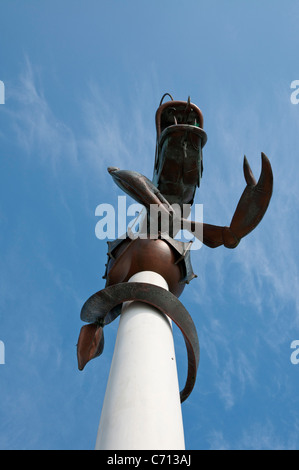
(170, 258)
(248, 214)
(104, 306)
(250, 210)
(90, 343)
(139, 187)
(178, 161)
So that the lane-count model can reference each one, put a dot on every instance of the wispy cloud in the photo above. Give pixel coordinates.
(119, 132)
(113, 131)
(257, 436)
(37, 130)
(265, 436)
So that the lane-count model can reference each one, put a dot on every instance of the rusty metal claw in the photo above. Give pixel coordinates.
(248, 175)
(265, 182)
(252, 205)
(248, 214)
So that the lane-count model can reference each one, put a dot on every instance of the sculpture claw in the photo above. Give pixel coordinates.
(249, 178)
(265, 182)
(252, 205)
(90, 344)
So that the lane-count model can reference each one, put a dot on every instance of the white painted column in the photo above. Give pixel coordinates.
(142, 409)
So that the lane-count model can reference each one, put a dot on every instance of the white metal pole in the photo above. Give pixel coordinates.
(142, 409)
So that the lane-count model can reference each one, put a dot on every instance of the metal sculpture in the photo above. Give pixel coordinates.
(177, 173)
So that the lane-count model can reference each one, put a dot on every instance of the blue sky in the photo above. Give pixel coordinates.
(82, 83)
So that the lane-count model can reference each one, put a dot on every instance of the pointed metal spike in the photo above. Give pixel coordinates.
(249, 178)
(265, 182)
